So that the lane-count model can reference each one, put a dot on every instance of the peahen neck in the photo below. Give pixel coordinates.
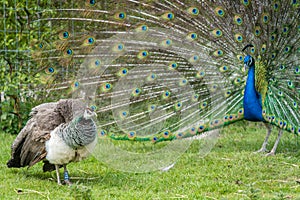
(252, 98)
(79, 132)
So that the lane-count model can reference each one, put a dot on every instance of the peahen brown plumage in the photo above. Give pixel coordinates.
(57, 134)
(163, 70)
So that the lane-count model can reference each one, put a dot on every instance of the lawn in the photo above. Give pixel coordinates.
(229, 171)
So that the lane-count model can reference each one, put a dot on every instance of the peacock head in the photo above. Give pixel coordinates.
(248, 60)
(89, 113)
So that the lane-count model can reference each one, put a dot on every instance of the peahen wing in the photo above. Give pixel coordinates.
(159, 69)
(29, 146)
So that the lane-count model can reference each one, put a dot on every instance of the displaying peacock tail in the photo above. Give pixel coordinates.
(161, 70)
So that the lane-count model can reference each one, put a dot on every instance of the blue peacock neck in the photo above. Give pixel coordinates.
(252, 98)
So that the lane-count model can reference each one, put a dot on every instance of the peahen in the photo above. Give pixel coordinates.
(57, 134)
(163, 70)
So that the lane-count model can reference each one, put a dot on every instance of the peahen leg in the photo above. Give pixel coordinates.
(272, 152)
(263, 147)
(66, 176)
(57, 174)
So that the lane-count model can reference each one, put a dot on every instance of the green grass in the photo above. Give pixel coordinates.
(229, 171)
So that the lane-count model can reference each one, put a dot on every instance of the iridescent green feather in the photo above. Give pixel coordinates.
(261, 83)
(161, 70)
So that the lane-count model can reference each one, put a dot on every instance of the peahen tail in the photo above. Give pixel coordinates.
(163, 70)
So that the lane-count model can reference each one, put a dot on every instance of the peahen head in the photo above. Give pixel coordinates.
(89, 113)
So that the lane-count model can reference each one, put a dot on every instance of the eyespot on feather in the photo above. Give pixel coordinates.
(219, 11)
(193, 11)
(217, 33)
(168, 16)
(120, 15)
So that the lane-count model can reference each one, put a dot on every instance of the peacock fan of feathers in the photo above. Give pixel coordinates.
(161, 70)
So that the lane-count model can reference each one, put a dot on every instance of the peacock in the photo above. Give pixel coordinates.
(165, 70)
(57, 133)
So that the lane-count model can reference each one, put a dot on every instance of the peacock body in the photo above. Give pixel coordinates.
(164, 70)
(57, 134)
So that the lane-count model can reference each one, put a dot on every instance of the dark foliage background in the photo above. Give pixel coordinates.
(18, 77)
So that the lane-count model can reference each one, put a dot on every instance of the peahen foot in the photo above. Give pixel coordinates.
(67, 182)
(57, 175)
(66, 176)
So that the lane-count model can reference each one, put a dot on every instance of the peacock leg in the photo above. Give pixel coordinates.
(272, 152)
(264, 145)
(57, 174)
(66, 176)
